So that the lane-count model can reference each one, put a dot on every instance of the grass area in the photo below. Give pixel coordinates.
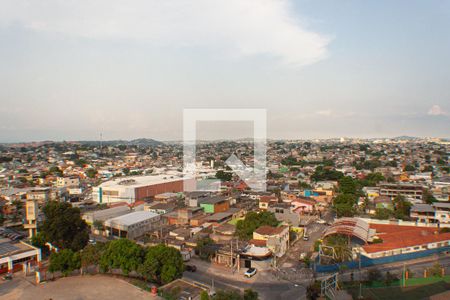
(417, 288)
(234, 221)
(396, 293)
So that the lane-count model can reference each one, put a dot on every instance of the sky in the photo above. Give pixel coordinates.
(70, 70)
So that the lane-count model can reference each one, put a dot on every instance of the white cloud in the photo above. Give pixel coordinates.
(436, 110)
(325, 113)
(237, 27)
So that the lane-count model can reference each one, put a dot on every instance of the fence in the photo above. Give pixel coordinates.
(404, 223)
(367, 262)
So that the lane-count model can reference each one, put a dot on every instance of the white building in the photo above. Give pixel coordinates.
(135, 188)
(132, 225)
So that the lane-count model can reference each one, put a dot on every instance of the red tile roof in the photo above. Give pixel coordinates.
(269, 230)
(395, 237)
(258, 243)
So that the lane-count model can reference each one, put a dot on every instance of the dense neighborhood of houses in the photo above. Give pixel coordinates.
(389, 200)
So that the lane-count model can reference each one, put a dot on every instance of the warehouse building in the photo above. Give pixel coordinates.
(135, 188)
(132, 225)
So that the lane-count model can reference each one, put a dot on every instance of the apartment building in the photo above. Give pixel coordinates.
(431, 213)
(408, 190)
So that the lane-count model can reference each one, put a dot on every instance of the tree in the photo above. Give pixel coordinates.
(402, 207)
(372, 179)
(344, 205)
(126, 171)
(383, 213)
(341, 247)
(162, 264)
(204, 295)
(91, 172)
(91, 254)
(64, 261)
(121, 254)
(38, 240)
(202, 248)
(63, 226)
(224, 176)
(227, 295)
(303, 185)
(347, 185)
(55, 171)
(253, 220)
(250, 294)
(409, 168)
(435, 270)
(428, 197)
(326, 173)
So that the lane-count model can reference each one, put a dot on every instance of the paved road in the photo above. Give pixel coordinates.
(267, 286)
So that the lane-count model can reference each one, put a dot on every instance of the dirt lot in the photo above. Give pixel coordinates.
(76, 288)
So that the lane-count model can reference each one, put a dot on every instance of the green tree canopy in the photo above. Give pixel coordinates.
(63, 226)
(344, 205)
(91, 254)
(65, 261)
(253, 220)
(224, 176)
(326, 173)
(162, 264)
(383, 213)
(91, 172)
(122, 254)
(402, 207)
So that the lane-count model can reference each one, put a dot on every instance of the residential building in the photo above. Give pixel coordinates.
(215, 204)
(276, 239)
(437, 212)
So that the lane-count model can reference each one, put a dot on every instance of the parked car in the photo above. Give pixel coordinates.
(303, 256)
(250, 272)
(321, 221)
(305, 237)
(190, 268)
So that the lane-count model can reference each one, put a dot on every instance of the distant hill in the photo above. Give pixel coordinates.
(137, 142)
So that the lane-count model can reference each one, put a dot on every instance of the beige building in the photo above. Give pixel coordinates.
(276, 238)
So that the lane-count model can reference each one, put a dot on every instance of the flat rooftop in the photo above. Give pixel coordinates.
(132, 218)
(139, 181)
(8, 247)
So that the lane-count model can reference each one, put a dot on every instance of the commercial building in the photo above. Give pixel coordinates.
(15, 256)
(132, 225)
(109, 213)
(396, 240)
(131, 189)
(408, 190)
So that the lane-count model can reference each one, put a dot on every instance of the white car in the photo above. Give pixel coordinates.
(250, 272)
(320, 221)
